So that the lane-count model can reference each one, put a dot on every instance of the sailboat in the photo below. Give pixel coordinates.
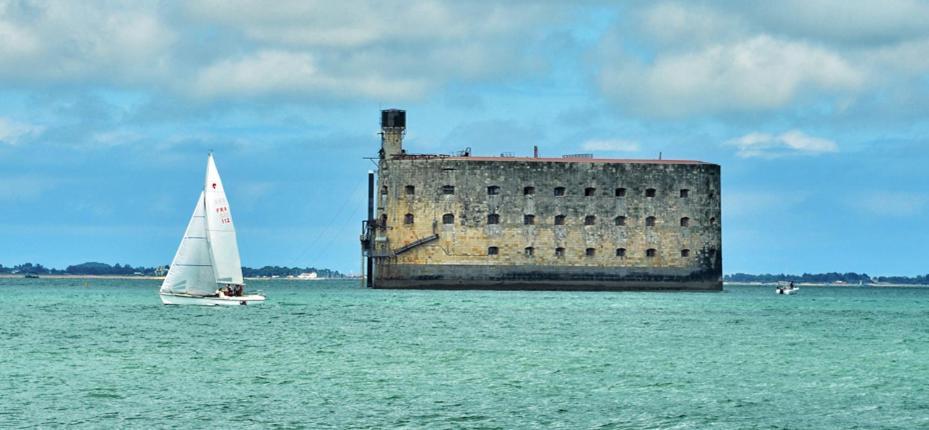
(206, 269)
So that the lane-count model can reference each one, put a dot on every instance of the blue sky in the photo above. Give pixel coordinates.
(818, 112)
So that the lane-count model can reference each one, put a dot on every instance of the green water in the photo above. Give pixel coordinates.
(107, 354)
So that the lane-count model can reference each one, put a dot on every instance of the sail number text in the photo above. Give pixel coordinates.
(224, 215)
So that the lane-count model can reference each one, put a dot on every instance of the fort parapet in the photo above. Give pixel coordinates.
(464, 222)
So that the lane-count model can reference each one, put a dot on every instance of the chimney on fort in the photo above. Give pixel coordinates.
(393, 125)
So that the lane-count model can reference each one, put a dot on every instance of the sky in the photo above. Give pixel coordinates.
(817, 111)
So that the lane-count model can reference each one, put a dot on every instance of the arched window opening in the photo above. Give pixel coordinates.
(650, 221)
(559, 252)
(559, 191)
(383, 220)
(620, 252)
(410, 190)
(650, 252)
(650, 192)
(685, 253)
(590, 252)
(620, 192)
(528, 191)
(590, 191)
(528, 219)
(408, 219)
(448, 219)
(559, 219)
(685, 193)
(620, 220)
(493, 250)
(493, 219)
(493, 190)
(384, 189)
(529, 251)
(685, 222)
(590, 220)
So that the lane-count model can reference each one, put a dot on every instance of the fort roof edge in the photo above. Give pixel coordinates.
(548, 160)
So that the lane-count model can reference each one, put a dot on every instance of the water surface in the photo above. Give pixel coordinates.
(329, 354)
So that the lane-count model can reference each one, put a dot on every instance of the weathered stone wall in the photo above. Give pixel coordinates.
(460, 257)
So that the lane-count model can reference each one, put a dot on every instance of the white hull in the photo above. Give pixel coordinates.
(178, 299)
(787, 291)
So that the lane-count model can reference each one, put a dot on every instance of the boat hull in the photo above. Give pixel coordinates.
(177, 299)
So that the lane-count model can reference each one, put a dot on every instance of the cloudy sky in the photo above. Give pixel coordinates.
(818, 112)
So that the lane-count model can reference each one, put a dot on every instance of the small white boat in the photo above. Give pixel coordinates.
(786, 289)
(206, 269)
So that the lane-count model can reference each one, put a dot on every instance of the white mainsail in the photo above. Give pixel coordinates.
(192, 269)
(227, 267)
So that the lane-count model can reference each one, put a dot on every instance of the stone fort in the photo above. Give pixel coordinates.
(569, 223)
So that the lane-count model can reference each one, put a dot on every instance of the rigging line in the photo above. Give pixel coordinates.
(325, 248)
(338, 215)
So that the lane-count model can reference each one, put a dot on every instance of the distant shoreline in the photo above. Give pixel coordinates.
(154, 278)
(826, 284)
(159, 278)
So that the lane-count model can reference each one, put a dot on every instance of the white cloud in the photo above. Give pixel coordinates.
(244, 48)
(293, 73)
(61, 41)
(759, 73)
(611, 145)
(13, 132)
(675, 25)
(892, 203)
(793, 142)
(679, 59)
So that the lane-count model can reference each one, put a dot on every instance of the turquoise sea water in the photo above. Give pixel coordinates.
(328, 354)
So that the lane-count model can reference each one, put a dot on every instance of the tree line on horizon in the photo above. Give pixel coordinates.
(828, 278)
(95, 268)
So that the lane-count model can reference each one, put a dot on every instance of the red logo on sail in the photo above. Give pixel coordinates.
(214, 185)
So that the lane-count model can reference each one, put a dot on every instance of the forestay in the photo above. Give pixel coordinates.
(192, 270)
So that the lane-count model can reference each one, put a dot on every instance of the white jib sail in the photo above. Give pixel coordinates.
(227, 267)
(192, 269)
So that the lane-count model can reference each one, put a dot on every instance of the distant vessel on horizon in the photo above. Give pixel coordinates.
(206, 269)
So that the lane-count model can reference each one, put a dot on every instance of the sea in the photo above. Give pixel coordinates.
(105, 353)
